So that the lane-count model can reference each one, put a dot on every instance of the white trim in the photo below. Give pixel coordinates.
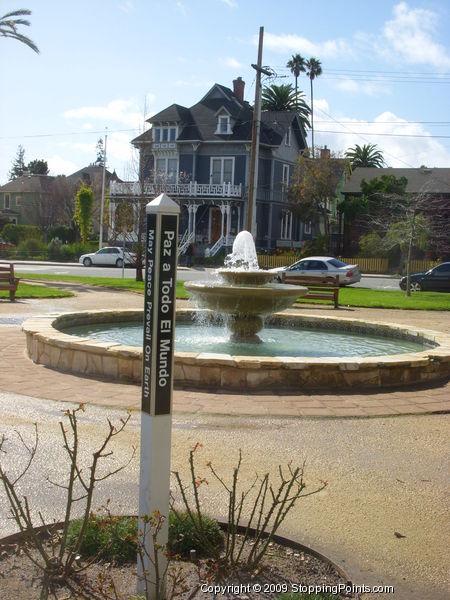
(286, 225)
(219, 125)
(307, 228)
(7, 201)
(287, 139)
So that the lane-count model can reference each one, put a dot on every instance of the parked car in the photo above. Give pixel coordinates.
(436, 279)
(109, 256)
(321, 267)
(5, 244)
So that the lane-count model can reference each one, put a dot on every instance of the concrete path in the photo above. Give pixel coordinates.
(385, 474)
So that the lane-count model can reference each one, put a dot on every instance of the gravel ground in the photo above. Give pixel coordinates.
(385, 476)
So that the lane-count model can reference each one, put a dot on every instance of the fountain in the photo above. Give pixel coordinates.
(243, 292)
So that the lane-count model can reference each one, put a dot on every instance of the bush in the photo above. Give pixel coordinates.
(115, 538)
(19, 233)
(67, 235)
(183, 536)
(31, 248)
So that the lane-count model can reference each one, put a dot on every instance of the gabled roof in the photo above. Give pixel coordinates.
(27, 184)
(433, 180)
(87, 174)
(276, 124)
(174, 113)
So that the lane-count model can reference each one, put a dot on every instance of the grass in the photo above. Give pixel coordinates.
(127, 283)
(363, 297)
(369, 298)
(27, 290)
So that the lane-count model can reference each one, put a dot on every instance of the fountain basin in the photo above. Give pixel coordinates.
(48, 344)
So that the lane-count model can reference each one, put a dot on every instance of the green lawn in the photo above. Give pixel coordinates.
(348, 296)
(368, 298)
(27, 290)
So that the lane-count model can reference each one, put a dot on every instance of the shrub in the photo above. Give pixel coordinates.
(115, 538)
(67, 235)
(184, 537)
(31, 248)
(18, 233)
(111, 538)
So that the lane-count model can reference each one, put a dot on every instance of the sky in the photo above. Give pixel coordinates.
(107, 65)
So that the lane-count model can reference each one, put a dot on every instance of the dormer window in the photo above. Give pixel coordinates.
(223, 125)
(164, 134)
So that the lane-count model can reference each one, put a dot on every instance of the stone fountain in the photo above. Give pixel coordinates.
(243, 292)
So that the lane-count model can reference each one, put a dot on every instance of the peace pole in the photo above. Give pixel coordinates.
(157, 375)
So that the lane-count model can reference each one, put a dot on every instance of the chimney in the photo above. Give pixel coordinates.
(238, 88)
(325, 152)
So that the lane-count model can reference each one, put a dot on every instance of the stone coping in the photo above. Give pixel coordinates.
(48, 344)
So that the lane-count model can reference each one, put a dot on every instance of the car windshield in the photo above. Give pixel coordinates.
(337, 263)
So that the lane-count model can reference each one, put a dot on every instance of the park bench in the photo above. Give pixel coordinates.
(318, 289)
(7, 279)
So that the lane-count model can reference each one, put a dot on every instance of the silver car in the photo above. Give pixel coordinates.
(109, 256)
(321, 267)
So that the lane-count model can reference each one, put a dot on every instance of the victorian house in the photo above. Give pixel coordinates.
(200, 156)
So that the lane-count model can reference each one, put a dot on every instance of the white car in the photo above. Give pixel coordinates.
(109, 256)
(320, 266)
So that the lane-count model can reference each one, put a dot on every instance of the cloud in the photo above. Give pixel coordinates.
(60, 166)
(127, 6)
(181, 8)
(285, 43)
(367, 88)
(229, 61)
(125, 112)
(230, 3)
(398, 151)
(410, 35)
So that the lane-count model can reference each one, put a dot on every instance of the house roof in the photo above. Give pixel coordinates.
(199, 122)
(86, 174)
(433, 180)
(27, 184)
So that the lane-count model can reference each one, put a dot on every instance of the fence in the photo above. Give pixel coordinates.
(366, 265)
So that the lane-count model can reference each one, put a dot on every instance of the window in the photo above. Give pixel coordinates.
(285, 178)
(222, 170)
(307, 228)
(223, 125)
(317, 265)
(166, 168)
(164, 134)
(286, 225)
(287, 139)
(7, 200)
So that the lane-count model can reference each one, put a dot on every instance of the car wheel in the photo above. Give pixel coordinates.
(119, 263)
(416, 286)
(87, 262)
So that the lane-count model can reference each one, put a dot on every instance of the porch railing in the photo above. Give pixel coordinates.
(191, 189)
(186, 239)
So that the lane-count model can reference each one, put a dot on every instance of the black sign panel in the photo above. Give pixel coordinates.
(168, 250)
(150, 256)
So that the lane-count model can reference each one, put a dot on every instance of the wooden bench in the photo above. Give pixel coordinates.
(7, 279)
(318, 289)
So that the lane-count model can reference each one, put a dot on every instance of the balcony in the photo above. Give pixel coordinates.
(187, 190)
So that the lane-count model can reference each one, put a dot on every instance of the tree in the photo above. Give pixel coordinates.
(18, 164)
(314, 69)
(100, 148)
(9, 24)
(297, 66)
(278, 97)
(84, 201)
(38, 167)
(367, 155)
(314, 190)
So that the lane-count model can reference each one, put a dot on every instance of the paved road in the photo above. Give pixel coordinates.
(372, 282)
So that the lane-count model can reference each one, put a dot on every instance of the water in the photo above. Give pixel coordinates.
(277, 341)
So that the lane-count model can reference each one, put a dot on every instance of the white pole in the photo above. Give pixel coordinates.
(102, 204)
(156, 410)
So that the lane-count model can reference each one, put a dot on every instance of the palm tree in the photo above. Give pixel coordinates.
(314, 67)
(297, 66)
(283, 98)
(9, 24)
(278, 97)
(365, 156)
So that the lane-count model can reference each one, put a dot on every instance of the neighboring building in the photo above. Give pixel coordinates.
(21, 198)
(200, 156)
(434, 182)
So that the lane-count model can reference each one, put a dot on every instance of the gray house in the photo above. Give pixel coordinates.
(200, 156)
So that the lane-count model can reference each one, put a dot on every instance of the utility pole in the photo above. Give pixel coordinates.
(254, 151)
(102, 204)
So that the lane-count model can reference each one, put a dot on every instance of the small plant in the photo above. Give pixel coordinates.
(58, 560)
(183, 535)
(264, 504)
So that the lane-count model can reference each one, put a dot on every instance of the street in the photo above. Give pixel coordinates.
(376, 282)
